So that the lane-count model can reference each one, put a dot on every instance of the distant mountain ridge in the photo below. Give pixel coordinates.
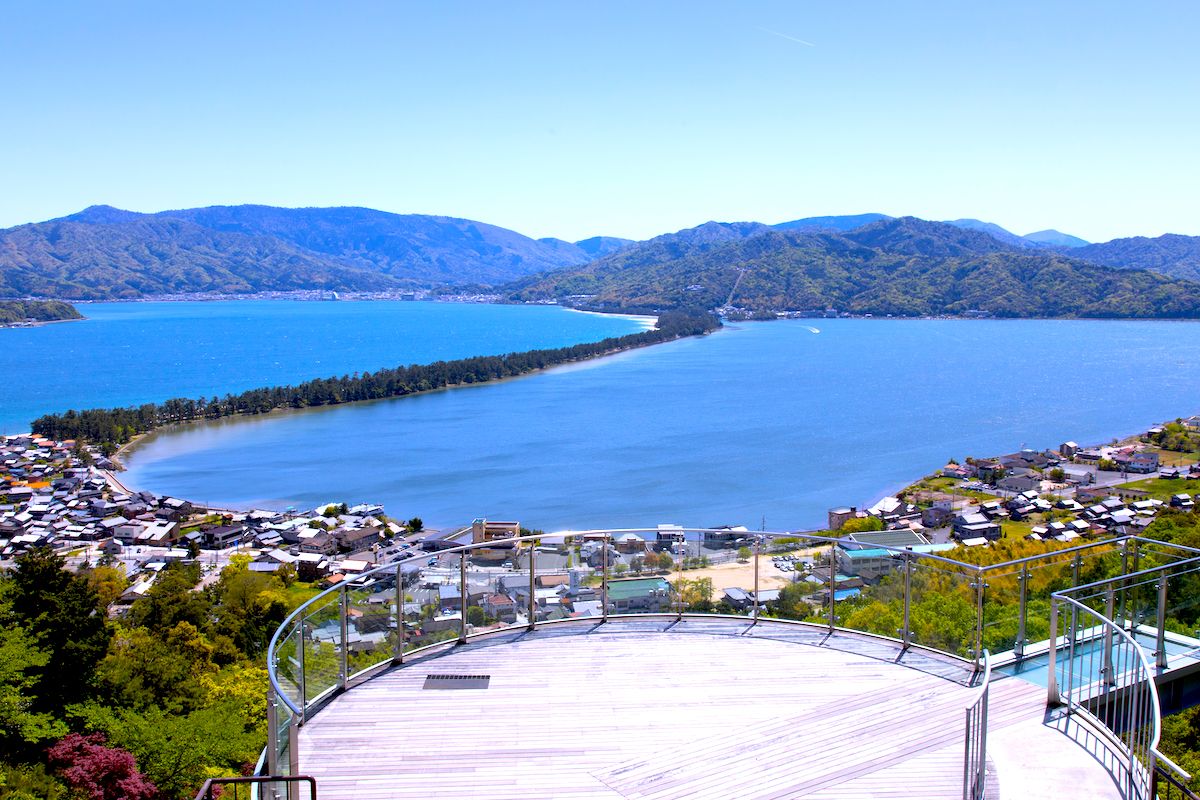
(108, 253)
(904, 267)
(1170, 254)
(104, 252)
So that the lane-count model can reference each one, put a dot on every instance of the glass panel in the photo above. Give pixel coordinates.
(322, 645)
(943, 608)
(640, 582)
(371, 622)
(287, 666)
(497, 587)
(432, 602)
(1001, 609)
(282, 740)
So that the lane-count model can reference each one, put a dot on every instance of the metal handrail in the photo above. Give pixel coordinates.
(975, 749)
(1132, 576)
(1170, 782)
(206, 791)
(608, 534)
(297, 623)
(1137, 709)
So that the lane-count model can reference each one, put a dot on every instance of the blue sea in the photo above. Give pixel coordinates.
(129, 353)
(760, 423)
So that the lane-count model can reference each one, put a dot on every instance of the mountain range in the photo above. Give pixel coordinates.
(892, 266)
(108, 253)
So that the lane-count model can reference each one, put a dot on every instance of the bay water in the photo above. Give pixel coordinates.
(758, 424)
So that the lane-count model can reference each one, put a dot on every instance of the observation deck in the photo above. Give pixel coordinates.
(696, 708)
(529, 667)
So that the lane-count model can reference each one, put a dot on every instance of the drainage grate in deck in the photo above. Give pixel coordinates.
(456, 681)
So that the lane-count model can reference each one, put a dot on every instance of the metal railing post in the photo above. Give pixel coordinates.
(303, 679)
(1135, 589)
(532, 609)
(462, 597)
(978, 586)
(344, 650)
(1076, 563)
(1124, 582)
(398, 652)
(757, 549)
(1106, 670)
(1052, 696)
(293, 760)
(906, 631)
(970, 718)
(832, 587)
(272, 732)
(1022, 611)
(1160, 651)
(604, 577)
(983, 723)
(682, 542)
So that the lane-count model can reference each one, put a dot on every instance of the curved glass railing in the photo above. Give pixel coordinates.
(426, 600)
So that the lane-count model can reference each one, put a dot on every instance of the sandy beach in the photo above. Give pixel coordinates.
(740, 574)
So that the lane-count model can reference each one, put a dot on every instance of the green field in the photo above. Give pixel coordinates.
(1163, 488)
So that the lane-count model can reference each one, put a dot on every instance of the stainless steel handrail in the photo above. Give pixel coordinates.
(975, 748)
(298, 624)
(1127, 712)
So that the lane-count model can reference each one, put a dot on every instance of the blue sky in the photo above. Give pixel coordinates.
(627, 119)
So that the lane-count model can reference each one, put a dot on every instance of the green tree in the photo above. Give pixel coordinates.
(744, 554)
(63, 615)
(146, 670)
(476, 616)
(171, 600)
(415, 525)
(177, 752)
(862, 525)
(107, 581)
(20, 661)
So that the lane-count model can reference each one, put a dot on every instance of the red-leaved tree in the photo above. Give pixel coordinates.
(102, 773)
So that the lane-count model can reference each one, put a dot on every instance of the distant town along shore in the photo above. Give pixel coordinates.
(63, 495)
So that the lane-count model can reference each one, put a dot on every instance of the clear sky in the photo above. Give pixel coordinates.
(573, 119)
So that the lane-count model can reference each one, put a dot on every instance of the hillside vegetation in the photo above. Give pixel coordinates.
(904, 267)
(107, 253)
(1173, 255)
(13, 311)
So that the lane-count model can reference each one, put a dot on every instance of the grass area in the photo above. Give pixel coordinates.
(300, 591)
(948, 485)
(1163, 488)
(1011, 529)
(1175, 458)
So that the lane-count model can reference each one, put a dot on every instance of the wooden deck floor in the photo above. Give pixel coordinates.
(699, 709)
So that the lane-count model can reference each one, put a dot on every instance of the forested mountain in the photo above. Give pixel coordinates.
(995, 231)
(415, 248)
(1172, 254)
(901, 266)
(107, 253)
(846, 222)
(12, 311)
(1053, 238)
(103, 252)
(153, 255)
(600, 246)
